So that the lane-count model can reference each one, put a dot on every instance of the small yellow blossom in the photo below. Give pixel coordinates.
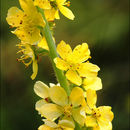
(74, 62)
(56, 103)
(100, 118)
(28, 57)
(52, 8)
(50, 125)
(26, 22)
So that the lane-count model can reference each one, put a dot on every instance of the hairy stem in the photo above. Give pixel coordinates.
(53, 54)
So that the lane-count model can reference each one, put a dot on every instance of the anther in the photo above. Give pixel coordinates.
(21, 22)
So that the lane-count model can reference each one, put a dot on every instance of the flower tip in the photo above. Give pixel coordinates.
(73, 17)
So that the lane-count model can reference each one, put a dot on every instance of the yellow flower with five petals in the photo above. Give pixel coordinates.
(74, 62)
(26, 22)
(68, 109)
(99, 118)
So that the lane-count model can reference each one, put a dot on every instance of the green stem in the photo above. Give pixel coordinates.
(77, 126)
(53, 54)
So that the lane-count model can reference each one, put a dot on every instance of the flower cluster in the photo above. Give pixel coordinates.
(70, 104)
(80, 106)
(28, 22)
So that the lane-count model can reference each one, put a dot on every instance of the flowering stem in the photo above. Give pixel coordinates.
(53, 53)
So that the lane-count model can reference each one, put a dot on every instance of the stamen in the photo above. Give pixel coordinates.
(67, 3)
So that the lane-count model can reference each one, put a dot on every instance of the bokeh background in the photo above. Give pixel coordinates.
(104, 25)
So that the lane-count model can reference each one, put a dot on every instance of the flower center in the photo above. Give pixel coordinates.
(73, 66)
(96, 113)
(67, 110)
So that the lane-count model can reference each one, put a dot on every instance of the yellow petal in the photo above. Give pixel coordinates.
(67, 122)
(14, 17)
(106, 112)
(44, 4)
(92, 83)
(57, 16)
(39, 104)
(104, 125)
(66, 12)
(88, 110)
(35, 69)
(25, 35)
(50, 123)
(96, 128)
(91, 98)
(58, 95)
(80, 53)
(64, 49)
(43, 44)
(27, 6)
(51, 111)
(41, 89)
(61, 64)
(88, 70)
(74, 77)
(60, 2)
(68, 129)
(50, 14)
(76, 96)
(90, 121)
(44, 127)
(80, 119)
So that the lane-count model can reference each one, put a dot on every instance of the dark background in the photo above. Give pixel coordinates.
(104, 25)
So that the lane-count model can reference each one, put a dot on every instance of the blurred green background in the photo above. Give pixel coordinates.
(104, 25)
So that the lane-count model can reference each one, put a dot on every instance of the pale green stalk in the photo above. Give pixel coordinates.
(53, 54)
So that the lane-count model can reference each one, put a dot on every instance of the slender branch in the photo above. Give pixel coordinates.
(53, 54)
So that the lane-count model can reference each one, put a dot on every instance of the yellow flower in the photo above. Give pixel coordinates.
(74, 62)
(50, 125)
(28, 57)
(100, 118)
(26, 22)
(52, 8)
(56, 103)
